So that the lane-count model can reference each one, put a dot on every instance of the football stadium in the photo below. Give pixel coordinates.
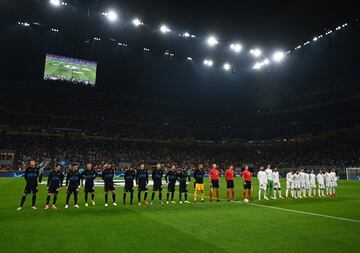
(179, 126)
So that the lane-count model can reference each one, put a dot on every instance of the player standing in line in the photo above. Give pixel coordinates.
(333, 182)
(296, 183)
(328, 183)
(277, 185)
(321, 183)
(307, 184)
(229, 175)
(108, 177)
(302, 184)
(214, 181)
(129, 178)
(31, 176)
(262, 177)
(73, 184)
(142, 179)
(289, 184)
(54, 182)
(199, 182)
(247, 183)
(181, 177)
(89, 174)
(312, 184)
(270, 181)
(171, 178)
(157, 176)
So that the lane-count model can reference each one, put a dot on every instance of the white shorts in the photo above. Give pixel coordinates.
(289, 185)
(296, 185)
(302, 184)
(321, 186)
(307, 185)
(334, 184)
(277, 185)
(312, 184)
(263, 186)
(328, 184)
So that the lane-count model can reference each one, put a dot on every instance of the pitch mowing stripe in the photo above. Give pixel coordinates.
(294, 211)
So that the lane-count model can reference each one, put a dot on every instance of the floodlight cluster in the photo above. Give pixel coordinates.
(211, 41)
(24, 24)
(208, 62)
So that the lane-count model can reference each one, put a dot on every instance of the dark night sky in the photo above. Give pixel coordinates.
(268, 24)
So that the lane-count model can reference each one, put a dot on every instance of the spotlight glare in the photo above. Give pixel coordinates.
(315, 38)
(186, 34)
(236, 47)
(255, 52)
(189, 58)
(137, 22)
(111, 15)
(208, 63)
(164, 29)
(212, 41)
(55, 2)
(226, 66)
(266, 62)
(278, 56)
(257, 65)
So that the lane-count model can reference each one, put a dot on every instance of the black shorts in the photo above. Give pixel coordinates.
(247, 185)
(230, 184)
(109, 187)
(215, 184)
(142, 187)
(89, 188)
(129, 187)
(53, 189)
(31, 188)
(183, 188)
(72, 189)
(157, 187)
(171, 187)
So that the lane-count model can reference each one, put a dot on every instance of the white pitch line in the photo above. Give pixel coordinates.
(297, 211)
(303, 212)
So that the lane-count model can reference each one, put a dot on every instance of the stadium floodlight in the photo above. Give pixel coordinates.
(164, 29)
(137, 22)
(186, 34)
(278, 56)
(315, 38)
(146, 49)
(306, 43)
(338, 28)
(226, 66)
(54, 30)
(212, 41)
(189, 58)
(111, 15)
(56, 3)
(256, 52)
(266, 62)
(236, 47)
(208, 62)
(298, 47)
(258, 65)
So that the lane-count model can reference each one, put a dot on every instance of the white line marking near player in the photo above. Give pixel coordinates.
(303, 212)
(296, 211)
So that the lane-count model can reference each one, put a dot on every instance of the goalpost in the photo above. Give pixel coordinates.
(353, 173)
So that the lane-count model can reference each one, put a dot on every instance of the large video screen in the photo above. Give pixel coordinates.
(70, 69)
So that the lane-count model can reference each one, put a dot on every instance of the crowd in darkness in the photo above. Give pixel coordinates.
(322, 152)
(127, 131)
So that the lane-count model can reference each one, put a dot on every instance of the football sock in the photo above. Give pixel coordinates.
(23, 198)
(33, 200)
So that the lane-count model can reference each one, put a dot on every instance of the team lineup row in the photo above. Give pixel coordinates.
(300, 184)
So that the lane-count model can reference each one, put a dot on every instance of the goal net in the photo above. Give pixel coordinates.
(353, 173)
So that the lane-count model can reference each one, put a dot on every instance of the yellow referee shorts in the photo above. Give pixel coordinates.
(199, 187)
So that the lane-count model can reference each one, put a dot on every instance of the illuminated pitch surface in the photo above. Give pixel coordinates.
(69, 69)
(195, 227)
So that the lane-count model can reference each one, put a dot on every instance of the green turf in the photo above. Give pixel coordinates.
(196, 227)
(84, 72)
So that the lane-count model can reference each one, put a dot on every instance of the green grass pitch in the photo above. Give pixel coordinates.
(196, 227)
(82, 72)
